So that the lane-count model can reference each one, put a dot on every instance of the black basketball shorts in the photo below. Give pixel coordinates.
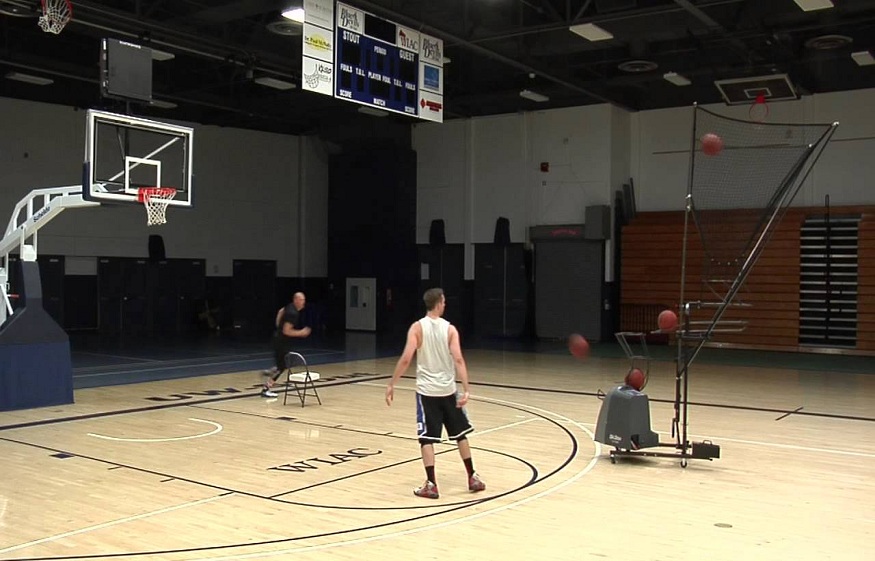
(435, 413)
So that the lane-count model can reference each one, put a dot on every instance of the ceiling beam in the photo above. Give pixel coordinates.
(235, 10)
(551, 9)
(580, 12)
(153, 33)
(739, 46)
(598, 19)
(150, 11)
(483, 51)
(699, 14)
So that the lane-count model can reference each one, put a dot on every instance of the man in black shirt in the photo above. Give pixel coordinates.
(290, 325)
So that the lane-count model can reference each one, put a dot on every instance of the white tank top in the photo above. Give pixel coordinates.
(435, 369)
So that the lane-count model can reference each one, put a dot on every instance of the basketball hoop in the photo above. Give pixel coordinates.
(759, 111)
(156, 200)
(56, 14)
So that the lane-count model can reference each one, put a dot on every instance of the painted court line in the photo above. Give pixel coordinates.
(172, 367)
(240, 357)
(502, 427)
(479, 432)
(217, 429)
(514, 504)
(719, 439)
(123, 357)
(788, 413)
(113, 523)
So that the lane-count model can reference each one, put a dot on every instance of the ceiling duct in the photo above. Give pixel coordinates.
(637, 66)
(285, 27)
(828, 42)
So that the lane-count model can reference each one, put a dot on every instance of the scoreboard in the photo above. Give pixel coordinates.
(372, 61)
(372, 72)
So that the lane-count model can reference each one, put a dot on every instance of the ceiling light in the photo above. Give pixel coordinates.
(29, 78)
(373, 112)
(591, 32)
(677, 79)
(863, 58)
(294, 13)
(811, 5)
(163, 104)
(274, 83)
(161, 55)
(534, 96)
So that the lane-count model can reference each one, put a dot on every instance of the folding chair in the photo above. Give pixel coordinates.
(300, 378)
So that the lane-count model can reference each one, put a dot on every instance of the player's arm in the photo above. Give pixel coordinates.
(279, 317)
(290, 331)
(459, 361)
(414, 337)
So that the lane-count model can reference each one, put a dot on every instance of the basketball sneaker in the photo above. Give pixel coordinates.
(428, 490)
(475, 484)
(265, 392)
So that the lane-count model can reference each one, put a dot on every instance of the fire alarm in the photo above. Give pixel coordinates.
(545, 167)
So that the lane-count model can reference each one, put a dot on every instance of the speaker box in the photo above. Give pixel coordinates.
(502, 231)
(156, 248)
(597, 223)
(437, 236)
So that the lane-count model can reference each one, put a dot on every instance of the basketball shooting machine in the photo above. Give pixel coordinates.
(751, 165)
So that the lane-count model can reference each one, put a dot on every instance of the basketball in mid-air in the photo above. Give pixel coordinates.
(578, 346)
(635, 379)
(711, 144)
(667, 320)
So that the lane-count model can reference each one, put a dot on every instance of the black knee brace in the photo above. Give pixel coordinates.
(425, 441)
(461, 438)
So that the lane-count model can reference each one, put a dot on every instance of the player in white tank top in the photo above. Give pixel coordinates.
(435, 342)
(435, 370)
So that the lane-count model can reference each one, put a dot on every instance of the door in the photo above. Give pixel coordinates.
(361, 311)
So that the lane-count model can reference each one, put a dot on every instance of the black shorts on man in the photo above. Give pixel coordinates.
(435, 413)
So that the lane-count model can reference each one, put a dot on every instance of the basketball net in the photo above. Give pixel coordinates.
(156, 200)
(759, 111)
(56, 14)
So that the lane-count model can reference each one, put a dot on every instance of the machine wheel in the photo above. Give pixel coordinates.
(683, 462)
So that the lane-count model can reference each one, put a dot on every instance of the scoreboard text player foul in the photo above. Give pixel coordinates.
(359, 57)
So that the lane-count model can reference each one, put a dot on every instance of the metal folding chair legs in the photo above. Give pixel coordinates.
(300, 379)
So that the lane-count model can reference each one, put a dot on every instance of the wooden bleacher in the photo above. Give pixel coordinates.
(652, 247)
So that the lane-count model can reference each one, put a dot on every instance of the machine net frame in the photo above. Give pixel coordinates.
(759, 170)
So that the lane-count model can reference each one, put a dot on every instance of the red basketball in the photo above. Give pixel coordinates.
(635, 379)
(712, 144)
(668, 320)
(578, 346)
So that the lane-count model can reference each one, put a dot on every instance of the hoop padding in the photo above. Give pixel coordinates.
(156, 200)
(56, 14)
